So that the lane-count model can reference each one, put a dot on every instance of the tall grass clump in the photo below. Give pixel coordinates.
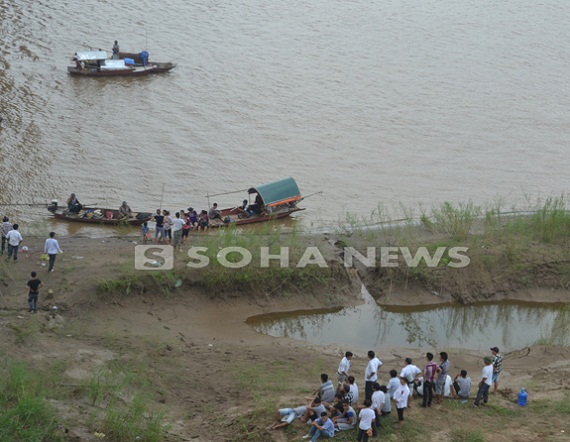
(216, 273)
(455, 221)
(126, 422)
(25, 414)
(123, 410)
(550, 221)
(559, 333)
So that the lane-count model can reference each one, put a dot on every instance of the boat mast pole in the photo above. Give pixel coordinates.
(161, 197)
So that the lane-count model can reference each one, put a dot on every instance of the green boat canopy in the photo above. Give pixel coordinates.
(278, 193)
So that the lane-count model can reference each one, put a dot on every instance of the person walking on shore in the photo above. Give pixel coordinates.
(51, 247)
(6, 227)
(497, 367)
(14, 239)
(34, 285)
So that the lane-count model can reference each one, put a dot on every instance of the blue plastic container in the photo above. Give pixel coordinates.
(522, 398)
(129, 61)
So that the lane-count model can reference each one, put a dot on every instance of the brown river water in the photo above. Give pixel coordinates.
(391, 102)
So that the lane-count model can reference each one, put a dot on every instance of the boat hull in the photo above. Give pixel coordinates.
(237, 219)
(114, 220)
(136, 71)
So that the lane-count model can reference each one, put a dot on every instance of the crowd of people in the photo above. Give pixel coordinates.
(331, 409)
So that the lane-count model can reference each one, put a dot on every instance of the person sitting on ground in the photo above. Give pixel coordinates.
(214, 213)
(125, 210)
(322, 426)
(461, 386)
(336, 404)
(203, 221)
(347, 394)
(326, 390)
(347, 420)
(193, 215)
(285, 416)
(313, 410)
(353, 389)
(73, 204)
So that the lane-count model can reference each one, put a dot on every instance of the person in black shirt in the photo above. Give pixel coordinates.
(34, 285)
(159, 226)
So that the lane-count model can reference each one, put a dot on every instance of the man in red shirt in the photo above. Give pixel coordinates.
(429, 380)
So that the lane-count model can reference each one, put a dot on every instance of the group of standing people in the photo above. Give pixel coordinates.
(172, 230)
(175, 230)
(329, 411)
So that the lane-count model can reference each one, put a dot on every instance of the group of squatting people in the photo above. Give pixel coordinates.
(331, 410)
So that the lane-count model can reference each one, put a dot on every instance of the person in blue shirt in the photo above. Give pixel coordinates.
(323, 426)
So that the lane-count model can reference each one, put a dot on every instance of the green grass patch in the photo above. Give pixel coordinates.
(461, 435)
(25, 414)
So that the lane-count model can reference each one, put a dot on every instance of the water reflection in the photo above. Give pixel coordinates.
(509, 326)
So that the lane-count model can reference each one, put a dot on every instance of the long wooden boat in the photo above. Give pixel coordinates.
(129, 64)
(271, 201)
(99, 215)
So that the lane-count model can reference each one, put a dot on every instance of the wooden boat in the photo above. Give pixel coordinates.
(272, 201)
(98, 215)
(100, 64)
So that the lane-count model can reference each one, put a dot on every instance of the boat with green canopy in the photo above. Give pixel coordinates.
(265, 202)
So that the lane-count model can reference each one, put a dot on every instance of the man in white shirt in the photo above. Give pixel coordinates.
(410, 372)
(14, 239)
(343, 368)
(371, 373)
(486, 382)
(177, 225)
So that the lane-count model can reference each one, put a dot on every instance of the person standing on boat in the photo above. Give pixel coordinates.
(116, 50)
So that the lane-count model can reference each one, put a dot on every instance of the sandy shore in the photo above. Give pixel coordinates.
(196, 346)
